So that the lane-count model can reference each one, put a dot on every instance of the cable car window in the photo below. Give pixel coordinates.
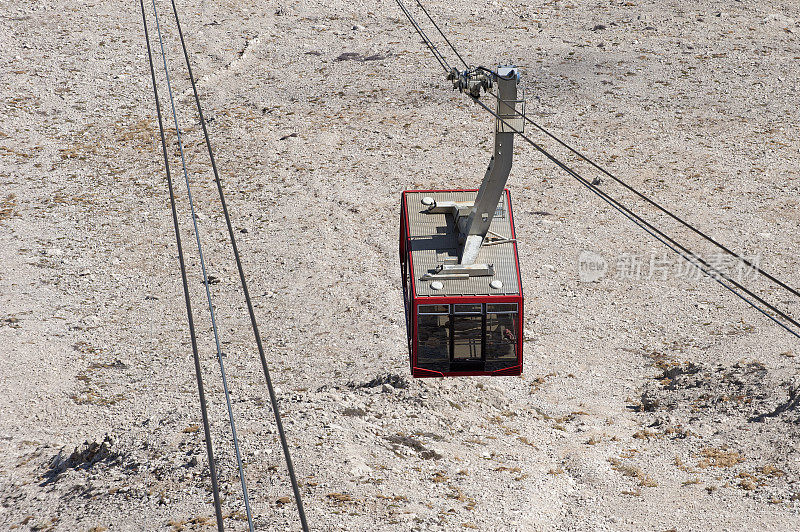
(467, 335)
(408, 284)
(408, 305)
(501, 334)
(468, 309)
(500, 211)
(433, 309)
(501, 307)
(433, 336)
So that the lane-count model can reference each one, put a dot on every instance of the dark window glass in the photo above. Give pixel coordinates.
(408, 282)
(501, 307)
(467, 336)
(433, 309)
(408, 294)
(468, 309)
(500, 212)
(501, 336)
(433, 336)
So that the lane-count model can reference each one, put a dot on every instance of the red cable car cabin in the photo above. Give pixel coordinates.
(458, 255)
(459, 324)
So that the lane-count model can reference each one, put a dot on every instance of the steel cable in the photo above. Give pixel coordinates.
(264, 366)
(205, 279)
(434, 50)
(442, 33)
(198, 372)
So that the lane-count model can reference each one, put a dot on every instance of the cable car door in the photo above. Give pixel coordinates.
(468, 335)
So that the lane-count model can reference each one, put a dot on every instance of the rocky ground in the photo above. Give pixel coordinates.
(651, 399)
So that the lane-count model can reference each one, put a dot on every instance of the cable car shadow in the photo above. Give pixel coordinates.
(392, 379)
(396, 440)
(792, 403)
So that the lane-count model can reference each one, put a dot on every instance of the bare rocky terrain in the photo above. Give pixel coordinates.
(651, 399)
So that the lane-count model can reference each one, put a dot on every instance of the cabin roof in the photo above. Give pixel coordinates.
(434, 241)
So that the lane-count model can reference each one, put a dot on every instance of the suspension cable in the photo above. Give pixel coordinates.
(205, 280)
(681, 250)
(242, 279)
(198, 372)
(442, 33)
(434, 50)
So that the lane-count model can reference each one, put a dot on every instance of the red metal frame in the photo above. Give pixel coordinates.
(411, 306)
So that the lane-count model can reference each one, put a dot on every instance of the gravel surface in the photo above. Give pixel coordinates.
(651, 399)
